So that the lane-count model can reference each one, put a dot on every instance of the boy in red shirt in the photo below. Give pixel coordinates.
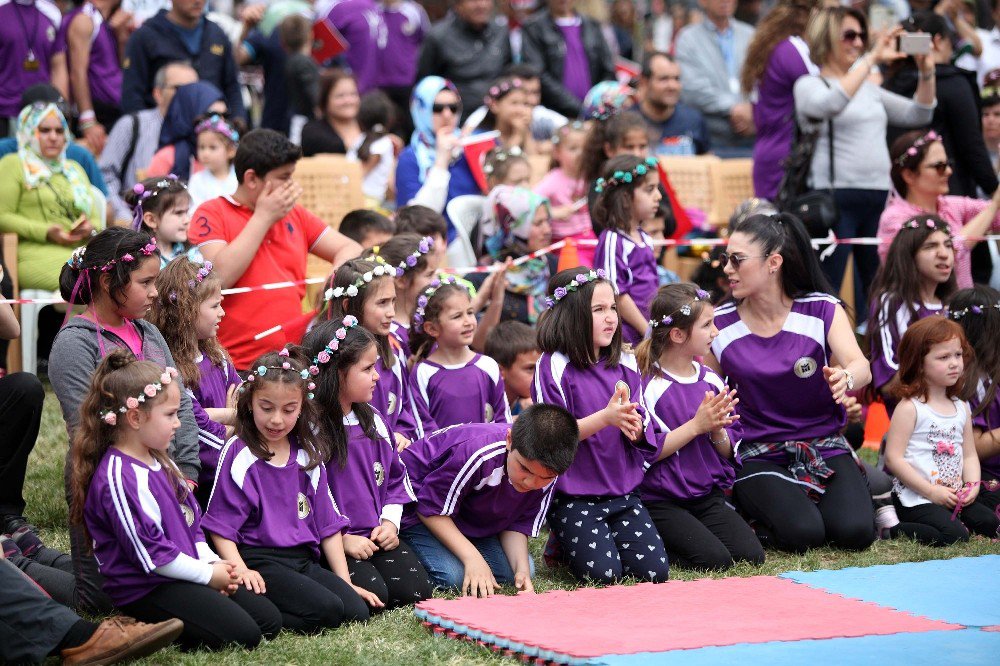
(259, 235)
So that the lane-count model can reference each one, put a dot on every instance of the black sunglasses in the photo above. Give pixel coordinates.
(439, 108)
(941, 167)
(736, 259)
(851, 35)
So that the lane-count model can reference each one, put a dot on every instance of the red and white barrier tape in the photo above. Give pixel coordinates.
(464, 270)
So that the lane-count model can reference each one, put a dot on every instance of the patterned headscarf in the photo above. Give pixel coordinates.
(424, 140)
(512, 211)
(39, 170)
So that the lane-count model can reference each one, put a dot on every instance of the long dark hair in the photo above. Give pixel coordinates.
(306, 438)
(982, 329)
(613, 209)
(668, 302)
(327, 393)
(567, 327)
(337, 308)
(897, 283)
(784, 234)
(109, 245)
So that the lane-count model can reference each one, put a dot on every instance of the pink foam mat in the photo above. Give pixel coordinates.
(575, 626)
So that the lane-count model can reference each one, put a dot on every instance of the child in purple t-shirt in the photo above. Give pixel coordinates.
(367, 478)
(187, 310)
(482, 490)
(697, 433)
(452, 383)
(271, 512)
(628, 195)
(142, 519)
(366, 290)
(597, 518)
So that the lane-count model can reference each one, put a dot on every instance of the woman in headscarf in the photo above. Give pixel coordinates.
(518, 224)
(432, 170)
(178, 142)
(45, 198)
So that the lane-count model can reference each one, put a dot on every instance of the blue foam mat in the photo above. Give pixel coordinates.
(960, 590)
(969, 647)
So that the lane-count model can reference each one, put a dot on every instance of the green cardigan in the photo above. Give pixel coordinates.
(29, 214)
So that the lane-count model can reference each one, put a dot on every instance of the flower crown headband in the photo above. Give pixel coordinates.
(974, 309)
(332, 347)
(578, 281)
(427, 295)
(425, 245)
(915, 147)
(667, 320)
(500, 155)
(499, 90)
(203, 272)
(76, 259)
(110, 416)
(928, 224)
(216, 123)
(144, 194)
(261, 370)
(620, 177)
(575, 125)
(353, 289)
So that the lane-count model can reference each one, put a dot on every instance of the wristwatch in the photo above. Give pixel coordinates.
(850, 379)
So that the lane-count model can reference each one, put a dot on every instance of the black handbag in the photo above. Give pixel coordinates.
(816, 208)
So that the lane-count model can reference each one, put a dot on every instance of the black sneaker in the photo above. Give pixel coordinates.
(12, 522)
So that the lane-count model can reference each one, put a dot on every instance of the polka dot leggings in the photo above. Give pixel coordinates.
(605, 539)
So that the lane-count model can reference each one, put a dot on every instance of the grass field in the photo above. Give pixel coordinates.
(396, 637)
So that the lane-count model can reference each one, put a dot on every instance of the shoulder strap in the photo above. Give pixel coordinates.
(131, 149)
(830, 131)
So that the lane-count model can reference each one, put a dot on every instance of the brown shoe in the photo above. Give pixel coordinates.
(120, 638)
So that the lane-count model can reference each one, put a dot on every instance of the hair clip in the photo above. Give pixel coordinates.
(974, 309)
(75, 260)
(684, 310)
(332, 347)
(915, 147)
(110, 416)
(578, 281)
(426, 245)
(355, 288)
(619, 177)
(425, 298)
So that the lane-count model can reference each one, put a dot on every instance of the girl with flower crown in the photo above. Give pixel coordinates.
(162, 207)
(133, 505)
(216, 139)
(271, 513)
(697, 433)
(599, 524)
(114, 276)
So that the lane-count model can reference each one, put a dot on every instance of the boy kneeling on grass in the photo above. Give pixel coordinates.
(482, 489)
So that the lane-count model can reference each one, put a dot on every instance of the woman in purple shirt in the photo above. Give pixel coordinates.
(776, 58)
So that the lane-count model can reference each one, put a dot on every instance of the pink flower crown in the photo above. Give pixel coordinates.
(915, 147)
(144, 194)
(76, 259)
(501, 89)
(216, 123)
(333, 346)
(420, 313)
(110, 416)
(668, 320)
(203, 272)
(928, 224)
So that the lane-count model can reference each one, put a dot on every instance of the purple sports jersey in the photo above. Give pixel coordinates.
(988, 420)
(360, 22)
(468, 393)
(137, 524)
(104, 72)
(28, 40)
(405, 23)
(372, 479)
(696, 468)
(393, 398)
(211, 394)
(401, 332)
(783, 394)
(461, 472)
(884, 364)
(631, 268)
(606, 463)
(299, 509)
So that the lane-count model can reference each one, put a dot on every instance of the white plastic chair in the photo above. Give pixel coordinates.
(465, 212)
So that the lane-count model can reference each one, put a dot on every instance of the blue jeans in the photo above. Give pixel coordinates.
(446, 570)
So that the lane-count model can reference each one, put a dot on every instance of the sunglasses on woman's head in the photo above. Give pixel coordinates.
(735, 259)
(850, 36)
(940, 167)
(439, 108)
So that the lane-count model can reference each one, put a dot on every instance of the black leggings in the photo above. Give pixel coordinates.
(396, 576)
(990, 526)
(211, 620)
(21, 397)
(843, 517)
(309, 597)
(704, 533)
(934, 526)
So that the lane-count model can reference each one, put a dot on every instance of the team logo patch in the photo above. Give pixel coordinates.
(392, 403)
(621, 385)
(303, 507)
(188, 514)
(216, 49)
(50, 33)
(488, 413)
(805, 367)
(379, 473)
